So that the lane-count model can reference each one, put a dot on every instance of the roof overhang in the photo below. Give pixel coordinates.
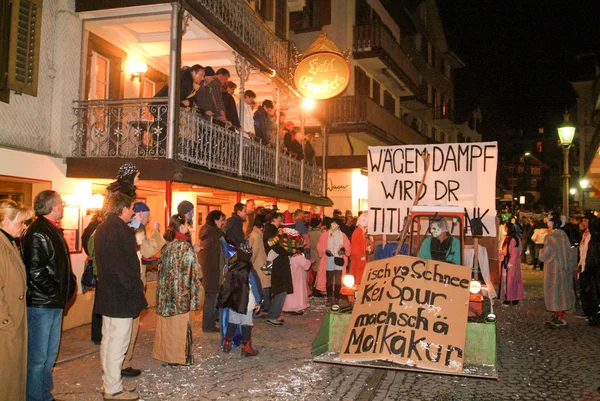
(171, 170)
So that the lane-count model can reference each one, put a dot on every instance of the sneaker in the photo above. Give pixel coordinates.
(557, 323)
(275, 322)
(130, 372)
(121, 395)
(582, 316)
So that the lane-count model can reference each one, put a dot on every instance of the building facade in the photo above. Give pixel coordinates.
(79, 100)
(401, 91)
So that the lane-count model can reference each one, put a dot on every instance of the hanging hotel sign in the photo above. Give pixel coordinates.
(322, 75)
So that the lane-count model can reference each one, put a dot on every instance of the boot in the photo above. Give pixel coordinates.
(227, 345)
(329, 301)
(247, 349)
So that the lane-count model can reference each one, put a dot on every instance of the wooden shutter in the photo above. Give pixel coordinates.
(4, 46)
(25, 30)
(325, 11)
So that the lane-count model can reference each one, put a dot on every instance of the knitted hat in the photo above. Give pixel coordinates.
(140, 207)
(185, 207)
(288, 221)
(127, 172)
(244, 252)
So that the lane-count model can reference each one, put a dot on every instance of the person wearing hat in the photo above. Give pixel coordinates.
(127, 176)
(150, 245)
(186, 208)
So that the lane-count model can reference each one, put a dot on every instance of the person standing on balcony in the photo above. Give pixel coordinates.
(288, 135)
(248, 116)
(209, 99)
(229, 102)
(190, 80)
(263, 121)
(234, 226)
(50, 286)
(309, 150)
(295, 148)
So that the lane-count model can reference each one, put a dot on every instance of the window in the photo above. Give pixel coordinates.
(376, 92)
(265, 9)
(99, 77)
(19, 46)
(538, 147)
(315, 15)
(362, 83)
(434, 134)
(281, 19)
(389, 103)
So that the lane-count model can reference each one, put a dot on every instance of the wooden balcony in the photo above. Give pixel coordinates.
(376, 41)
(362, 114)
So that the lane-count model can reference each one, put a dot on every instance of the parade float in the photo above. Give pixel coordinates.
(428, 308)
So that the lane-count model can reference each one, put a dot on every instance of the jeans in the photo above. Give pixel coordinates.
(266, 305)
(209, 312)
(276, 306)
(44, 328)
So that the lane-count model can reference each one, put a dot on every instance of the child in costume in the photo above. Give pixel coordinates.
(241, 294)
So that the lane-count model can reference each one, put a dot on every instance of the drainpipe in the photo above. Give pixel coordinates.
(174, 67)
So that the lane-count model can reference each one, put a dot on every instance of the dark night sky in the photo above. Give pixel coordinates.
(520, 55)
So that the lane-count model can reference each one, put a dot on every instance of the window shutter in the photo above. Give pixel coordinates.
(26, 24)
(296, 18)
(325, 11)
(4, 45)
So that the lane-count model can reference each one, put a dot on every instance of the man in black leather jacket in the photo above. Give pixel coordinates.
(50, 285)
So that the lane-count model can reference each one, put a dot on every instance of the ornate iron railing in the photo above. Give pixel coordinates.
(120, 128)
(136, 128)
(246, 25)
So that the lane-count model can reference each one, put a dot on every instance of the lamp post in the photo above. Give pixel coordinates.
(566, 132)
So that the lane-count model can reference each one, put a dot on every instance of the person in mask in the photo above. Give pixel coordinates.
(441, 245)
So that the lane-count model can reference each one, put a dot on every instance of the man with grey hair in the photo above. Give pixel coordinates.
(50, 286)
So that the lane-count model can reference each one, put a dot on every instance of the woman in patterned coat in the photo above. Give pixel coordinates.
(560, 262)
(178, 294)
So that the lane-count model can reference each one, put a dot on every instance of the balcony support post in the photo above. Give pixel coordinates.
(168, 201)
(277, 150)
(325, 150)
(241, 153)
(174, 67)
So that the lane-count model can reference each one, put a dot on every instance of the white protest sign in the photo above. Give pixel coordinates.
(460, 174)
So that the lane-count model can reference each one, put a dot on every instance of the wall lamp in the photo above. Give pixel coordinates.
(137, 69)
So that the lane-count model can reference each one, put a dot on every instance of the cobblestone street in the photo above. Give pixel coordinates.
(534, 363)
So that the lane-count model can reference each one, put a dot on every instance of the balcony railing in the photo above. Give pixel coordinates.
(246, 25)
(136, 128)
(376, 37)
(363, 112)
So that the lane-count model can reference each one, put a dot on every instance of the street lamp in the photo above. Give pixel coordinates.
(566, 132)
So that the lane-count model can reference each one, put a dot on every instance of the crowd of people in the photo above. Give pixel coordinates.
(210, 94)
(568, 253)
(257, 264)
